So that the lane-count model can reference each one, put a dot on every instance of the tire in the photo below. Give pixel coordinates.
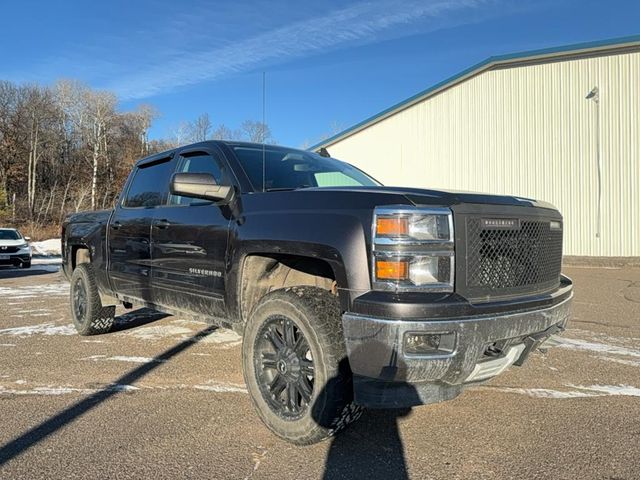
(318, 369)
(88, 314)
(26, 264)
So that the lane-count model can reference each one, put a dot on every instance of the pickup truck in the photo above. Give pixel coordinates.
(348, 294)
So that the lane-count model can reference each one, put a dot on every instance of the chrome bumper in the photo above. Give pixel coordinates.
(376, 346)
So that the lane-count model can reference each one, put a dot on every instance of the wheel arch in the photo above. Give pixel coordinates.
(263, 272)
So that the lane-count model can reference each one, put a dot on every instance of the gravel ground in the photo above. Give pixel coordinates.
(163, 397)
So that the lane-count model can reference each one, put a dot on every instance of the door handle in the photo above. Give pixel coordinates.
(162, 223)
(116, 225)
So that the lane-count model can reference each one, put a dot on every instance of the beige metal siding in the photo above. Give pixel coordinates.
(526, 131)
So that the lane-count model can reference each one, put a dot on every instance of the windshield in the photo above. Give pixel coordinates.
(9, 235)
(287, 169)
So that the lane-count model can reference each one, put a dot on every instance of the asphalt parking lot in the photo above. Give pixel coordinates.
(163, 397)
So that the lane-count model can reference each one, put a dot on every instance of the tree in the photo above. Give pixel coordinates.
(222, 132)
(144, 117)
(199, 129)
(100, 111)
(254, 131)
(67, 147)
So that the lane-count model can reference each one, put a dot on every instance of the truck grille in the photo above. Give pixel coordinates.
(511, 261)
(8, 249)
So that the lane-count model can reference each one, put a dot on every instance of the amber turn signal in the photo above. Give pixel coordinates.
(392, 227)
(397, 270)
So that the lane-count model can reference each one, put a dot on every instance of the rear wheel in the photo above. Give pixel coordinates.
(295, 365)
(88, 314)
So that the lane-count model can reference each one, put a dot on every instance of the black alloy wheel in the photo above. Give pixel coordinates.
(79, 299)
(284, 367)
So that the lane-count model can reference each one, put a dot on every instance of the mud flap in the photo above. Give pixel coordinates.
(107, 312)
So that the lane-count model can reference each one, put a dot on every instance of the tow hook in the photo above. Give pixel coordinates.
(532, 342)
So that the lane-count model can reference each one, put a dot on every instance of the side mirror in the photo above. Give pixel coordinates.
(200, 185)
(27, 239)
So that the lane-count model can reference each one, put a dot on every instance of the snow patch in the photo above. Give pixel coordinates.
(31, 291)
(545, 392)
(50, 263)
(625, 390)
(44, 391)
(222, 335)
(631, 363)
(222, 387)
(50, 390)
(576, 344)
(47, 247)
(188, 322)
(122, 358)
(41, 329)
(580, 391)
(157, 332)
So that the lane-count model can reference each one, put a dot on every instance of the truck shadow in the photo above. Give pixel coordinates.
(137, 318)
(372, 447)
(67, 416)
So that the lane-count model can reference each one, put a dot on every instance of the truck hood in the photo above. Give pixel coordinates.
(424, 197)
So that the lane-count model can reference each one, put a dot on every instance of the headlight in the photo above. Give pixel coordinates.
(413, 249)
(406, 226)
(23, 246)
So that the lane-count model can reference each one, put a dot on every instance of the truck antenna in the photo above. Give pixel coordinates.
(262, 130)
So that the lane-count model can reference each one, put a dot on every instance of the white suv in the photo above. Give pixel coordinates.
(14, 248)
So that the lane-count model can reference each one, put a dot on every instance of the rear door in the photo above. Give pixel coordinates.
(189, 239)
(129, 231)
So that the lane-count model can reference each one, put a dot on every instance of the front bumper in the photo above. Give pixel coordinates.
(14, 258)
(385, 375)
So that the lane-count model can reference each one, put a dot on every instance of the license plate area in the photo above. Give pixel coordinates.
(4, 257)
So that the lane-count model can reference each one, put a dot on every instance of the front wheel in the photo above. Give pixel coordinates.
(295, 365)
(88, 314)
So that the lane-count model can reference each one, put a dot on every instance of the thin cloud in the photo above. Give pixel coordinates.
(354, 25)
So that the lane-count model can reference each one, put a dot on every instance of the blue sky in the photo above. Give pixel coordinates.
(328, 64)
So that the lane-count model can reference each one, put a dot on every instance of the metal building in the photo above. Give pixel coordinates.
(521, 125)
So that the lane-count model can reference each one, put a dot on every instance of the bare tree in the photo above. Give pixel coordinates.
(100, 111)
(222, 132)
(254, 131)
(67, 147)
(180, 134)
(145, 115)
(201, 128)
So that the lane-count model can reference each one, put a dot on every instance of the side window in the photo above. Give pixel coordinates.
(150, 185)
(199, 163)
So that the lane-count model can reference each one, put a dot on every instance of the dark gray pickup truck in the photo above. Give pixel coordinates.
(348, 294)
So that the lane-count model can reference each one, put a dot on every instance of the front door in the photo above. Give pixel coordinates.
(129, 231)
(189, 240)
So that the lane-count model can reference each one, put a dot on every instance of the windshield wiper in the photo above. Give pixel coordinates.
(281, 189)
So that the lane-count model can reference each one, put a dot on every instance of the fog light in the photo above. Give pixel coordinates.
(429, 343)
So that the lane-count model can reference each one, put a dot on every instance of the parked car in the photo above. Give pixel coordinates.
(14, 248)
(348, 294)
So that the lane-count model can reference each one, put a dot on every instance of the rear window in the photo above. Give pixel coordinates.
(150, 185)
